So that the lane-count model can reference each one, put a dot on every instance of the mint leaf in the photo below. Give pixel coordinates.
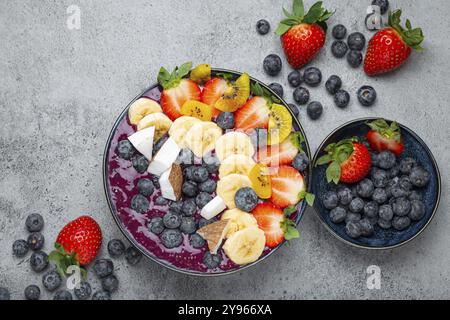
(184, 69)
(310, 198)
(289, 229)
(289, 211)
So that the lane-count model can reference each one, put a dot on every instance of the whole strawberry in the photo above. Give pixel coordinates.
(77, 244)
(390, 47)
(383, 136)
(302, 36)
(348, 161)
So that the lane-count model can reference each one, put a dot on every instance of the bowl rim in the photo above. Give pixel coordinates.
(128, 235)
(435, 166)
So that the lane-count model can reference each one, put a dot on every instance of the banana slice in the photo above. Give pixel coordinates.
(201, 138)
(236, 163)
(142, 107)
(245, 246)
(239, 220)
(234, 143)
(158, 120)
(229, 185)
(180, 127)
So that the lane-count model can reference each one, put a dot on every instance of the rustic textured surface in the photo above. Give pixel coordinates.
(61, 90)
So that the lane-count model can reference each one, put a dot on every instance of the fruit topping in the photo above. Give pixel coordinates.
(201, 137)
(141, 108)
(280, 124)
(245, 246)
(235, 95)
(225, 120)
(238, 220)
(201, 73)
(159, 121)
(233, 143)
(236, 163)
(213, 208)
(288, 186)
(260, 178)
(164, 158)
(253, 114)
(179, 129)
(171, 238)
(171, 182)
(125, 150)
(143, 141)
(229, 185)
(383, 136)
(197, 110)
(283, 153)
(246, 199)
(214, 234)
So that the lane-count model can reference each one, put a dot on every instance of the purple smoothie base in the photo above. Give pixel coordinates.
(121, 185)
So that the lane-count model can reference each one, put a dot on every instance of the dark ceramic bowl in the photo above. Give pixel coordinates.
(133, 225)
(416, 148)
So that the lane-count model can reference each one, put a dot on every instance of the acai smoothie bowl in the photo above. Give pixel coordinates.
(207, 172)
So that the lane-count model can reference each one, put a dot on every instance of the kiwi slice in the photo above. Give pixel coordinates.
(235, 95)
(260, 179)
(280, 124)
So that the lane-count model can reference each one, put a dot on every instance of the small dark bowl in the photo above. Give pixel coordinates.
(416, 148)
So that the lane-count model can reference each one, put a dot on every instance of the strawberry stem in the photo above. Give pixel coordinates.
(63, 260)
(412, 37)
(169, 80)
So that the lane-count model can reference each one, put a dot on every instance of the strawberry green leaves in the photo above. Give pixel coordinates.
(257, 90)
(309, 197)
(289, 229)
(412, 37)
(316, 14)
(391, 131)
(63, 260)
(170, 80)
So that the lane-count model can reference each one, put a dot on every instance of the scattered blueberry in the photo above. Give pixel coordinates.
(339, 31)
(314, 110)
(339, 48)
(366, 227)
(133, 256)
(383, 4)
(51, 280)
(333, 84)
(189, 207)
(34, 222)
(225, 120)
(385, 212)
(407, 164)
(188, 225)
(246, 199)
(208, 186)
(401, 223)
(338, 215)
(161, 201)
(197, 241)
(345, 195)
(371, 209)
(125, 149)
(140, 163)
(110, 283)
(367, 95)
(38, 261)
(379, 195)
(417, 210)
(172, 220)
(211, 261)
(401, 206)
(356, 41)
(354, 58)
(295, 78)
(20, 248)
(62, 295)
(103, 267)
(365, 188)
(185, 157)
(171, 238)
(301, 95)
(4, 294)
(277, 88)
(32, 292)
(272, 64)
(301, 161)
(353, 229)
(116, 248)
(312, 76)
(341, 98)
(189, 188)
(380, 178)
(139, 203)
(262, 26)
(101, 295)
(330, 200)
(36, 241)
(419, 177)
(83, 291)
(159, 144)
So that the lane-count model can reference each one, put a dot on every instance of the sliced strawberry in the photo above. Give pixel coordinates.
(385, 137)
(287, 186)
(173, 99)
(254, 114)
(213, 91)
(277, 155)
(269, 219)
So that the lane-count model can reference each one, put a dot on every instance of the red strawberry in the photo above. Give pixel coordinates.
(390, 47)
(77, 244)
(277, 155)
(349, 161)
(302, 36)
(383, 136)
(176, 90)
(288, 186)
(254, 114)
(213, 91)
(274, 223)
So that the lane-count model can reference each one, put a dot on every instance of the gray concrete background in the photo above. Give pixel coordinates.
(61, 90)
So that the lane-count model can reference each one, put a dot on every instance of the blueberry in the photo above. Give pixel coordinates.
(159, 144)
(365, 188)
(277, 88)
(371, 209)
(415, 195)
(185, 157)
(36, 241)
(200, 174)
(172, 220)
(103, 267)
(188, 172)
(246, 199)
(333, 84)
(383, 224)
(301, 161)
(353, 229)
(38, 261)
(383, 4)
(225, 120)
(301, 95)
(189, 207)
(419, 177)
(197, 241)
(379, 195)
(101, 295)
(51, 280)
(125, 149)
(339, 48)
(211, 163)
(262, 26)
(386, 159)
(394, 171)
(401, 223)
(189, 188)
(20, 248)
(211, 261)
(133, 256)
(312, 76)
(204, 222)
(34, 222)
(83, 291)
(62, 295)
(110, 283)
(407, 164)
(354, 58)
(140, 163)
(202, 199)
(380, 178)
(338, 215)
(155, 180)
(401, 206)
(417, 210)
(339, 31)
(345, 195)
(258, 137)
(176, 206)
(405, 183)
(351, 216)
(295, 78)
(171, 238)
(314, 110)
(32, 292)
(356, 41)
(330, 200)
(145, 187)
(367, 95)
(139, 203)
(188, 225)
(272, 64)
(398, 192)
(156, 225)
(356, 205)
(161, 201)
(366, 227)
(385, 212)
(208, 186)
(4, 294)
(294, 109)
(374, 159)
